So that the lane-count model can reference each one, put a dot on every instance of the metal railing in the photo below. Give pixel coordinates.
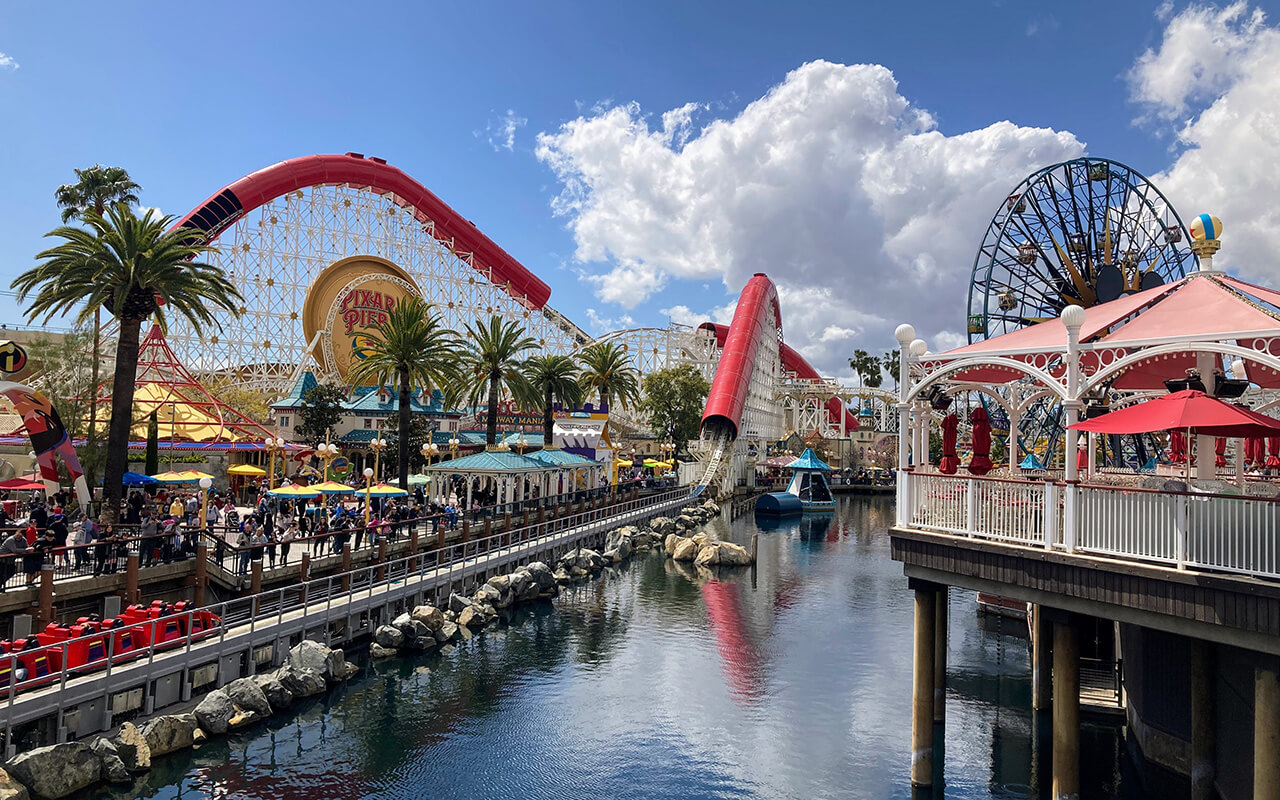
(445, 566)
(1228, 533)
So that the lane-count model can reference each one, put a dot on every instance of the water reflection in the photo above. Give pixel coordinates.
(665, 680)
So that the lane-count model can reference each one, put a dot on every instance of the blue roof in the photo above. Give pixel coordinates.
(1031, 462)
(488, 461)
(808, 460)
(465, 438)
(294, 398)
(359, 436)
(530, 439)
(367, 401)
(561, 458)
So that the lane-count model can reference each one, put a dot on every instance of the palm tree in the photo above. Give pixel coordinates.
(607, 368)
(554, 379)
(95, 188)
(133, 267)
(491, 364)
(411, 346)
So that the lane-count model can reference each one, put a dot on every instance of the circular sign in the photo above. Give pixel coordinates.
(344, 306)
(12, 357)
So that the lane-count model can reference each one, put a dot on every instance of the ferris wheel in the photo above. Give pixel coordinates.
(1081, 232)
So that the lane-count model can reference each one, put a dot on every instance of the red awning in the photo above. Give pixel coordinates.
(1201, 308)
(1180, 411)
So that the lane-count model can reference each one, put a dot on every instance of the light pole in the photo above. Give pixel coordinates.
(453, 447)
(327, 451)
(368, 479)
(429, 451)
(273, 446)
(205, 483)
(377, 446)
(668, 454)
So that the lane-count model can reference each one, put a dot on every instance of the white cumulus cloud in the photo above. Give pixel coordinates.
(7, 62)
(1215, 77)
(501, 132)
(833, 184)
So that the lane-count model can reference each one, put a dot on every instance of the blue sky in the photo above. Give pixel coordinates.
(190, 97)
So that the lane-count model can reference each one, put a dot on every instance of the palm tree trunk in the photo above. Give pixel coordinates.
(548, 422)
(402, 432)
(117, 460)
(491, 423)
(604, 398)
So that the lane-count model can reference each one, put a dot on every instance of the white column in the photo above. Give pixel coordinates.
(1092, 444)
(1205, 469)
(905, 334)
(1011, 446)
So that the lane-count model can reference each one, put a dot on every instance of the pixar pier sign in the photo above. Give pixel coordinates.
(346, 302)
(361, 309)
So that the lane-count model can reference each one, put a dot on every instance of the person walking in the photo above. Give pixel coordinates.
(147, 530)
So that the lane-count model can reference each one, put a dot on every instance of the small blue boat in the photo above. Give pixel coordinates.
(808, 491)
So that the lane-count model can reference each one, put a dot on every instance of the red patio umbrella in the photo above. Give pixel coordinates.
(20, 484)
(1220, 451)
(1177, 447)
(1082, 456)
(950, 463)
(980, 461)
(1273, 445)
(1189, 410)
(1255, 450)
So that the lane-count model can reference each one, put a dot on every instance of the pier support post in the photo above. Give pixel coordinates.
(413, 548)
(132, 594)
(202, 573)
(1066, 712)
(940, 656)
(346, 567)
(926, 609)
(255, 581)
(1266, 732)
(46, 596)
(382, 560)
(1041, 660)
(1203, 730)
(304, 575)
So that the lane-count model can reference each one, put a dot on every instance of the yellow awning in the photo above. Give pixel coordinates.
(247, 470)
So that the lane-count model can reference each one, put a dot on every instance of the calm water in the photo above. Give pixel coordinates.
(654, 683)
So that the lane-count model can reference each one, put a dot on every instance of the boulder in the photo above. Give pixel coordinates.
(378, 651)
(277, 695)
(502, 583)
(541, 575)
(309, 655)
(687, 521)
(457, 602)
(301, 682)
(429, 616)
(734, 555)
(337, 667)
(199, 737)
(450, 615)
(404, 623)
(423, 637)
(447, 631)
(471, 617)
(10, 789)
(614, 538)
(708, 555)
(388, 636)
(242, 719)
(665, 526)
(561, 575)
(700, 538)
(248, 696)
(169, 733)
(215, 712)
(673, 541)
(711, 507)
(489, 595)
(57, 770)
(590, 560)
(113, 770)
(132, 748)
(620, 553)
(686, 550)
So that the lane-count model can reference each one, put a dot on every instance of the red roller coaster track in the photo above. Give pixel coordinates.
(738, 342)
(258, 188)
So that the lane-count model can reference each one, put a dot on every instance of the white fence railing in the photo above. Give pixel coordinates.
(1208, 531)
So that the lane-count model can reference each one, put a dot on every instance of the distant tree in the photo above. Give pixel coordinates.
(867, 368)
(254, 404)
(412, 346)
(420, 430)
(493, 364)
(891, 363)
(320, 412)
(152, 464)
(554, 379)
(608, 368)
(673, 402)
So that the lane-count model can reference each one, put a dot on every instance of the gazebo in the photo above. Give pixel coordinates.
(510, 477)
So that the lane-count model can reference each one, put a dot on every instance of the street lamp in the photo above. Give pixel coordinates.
(272, 446)
(327, 451)
(453, 447)
(429, 451)
(205, 483)
(368, 479)
(377, 445)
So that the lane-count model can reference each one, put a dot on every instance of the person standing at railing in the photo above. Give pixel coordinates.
(242, 551)
(11, 550)
(175, 507)
(147, 530)
(103, 545)
(82, 540)
(58, 532)
(269, 537)
(286, 538)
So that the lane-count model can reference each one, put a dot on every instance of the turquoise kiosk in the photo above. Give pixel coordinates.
(809, 490)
